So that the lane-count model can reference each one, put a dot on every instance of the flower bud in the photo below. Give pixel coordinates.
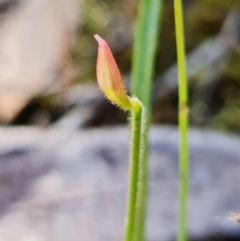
(109, 77)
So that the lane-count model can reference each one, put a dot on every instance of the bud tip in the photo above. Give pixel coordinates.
(99, 40)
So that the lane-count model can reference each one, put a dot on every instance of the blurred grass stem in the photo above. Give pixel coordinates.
(183, 123)
(144, 51)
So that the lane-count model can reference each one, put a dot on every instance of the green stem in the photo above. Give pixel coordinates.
(138, 178)
(183, 122)
(142, 181)
(144, 51)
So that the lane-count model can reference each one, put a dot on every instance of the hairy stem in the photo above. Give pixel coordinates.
(135, 220)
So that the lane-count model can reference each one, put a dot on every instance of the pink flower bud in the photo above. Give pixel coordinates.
(109, 77)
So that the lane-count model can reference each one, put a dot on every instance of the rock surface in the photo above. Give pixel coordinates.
(59, 186)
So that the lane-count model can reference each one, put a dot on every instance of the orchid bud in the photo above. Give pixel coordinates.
(109, 77)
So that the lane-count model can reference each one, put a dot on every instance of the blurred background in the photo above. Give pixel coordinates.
(62, 177)
(48, 57)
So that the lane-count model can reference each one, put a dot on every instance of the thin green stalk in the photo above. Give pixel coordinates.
(137, 180)
(183, 122)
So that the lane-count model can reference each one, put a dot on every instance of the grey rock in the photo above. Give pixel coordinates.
(56, 185)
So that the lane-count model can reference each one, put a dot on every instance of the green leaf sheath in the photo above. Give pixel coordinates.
(184, 176)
